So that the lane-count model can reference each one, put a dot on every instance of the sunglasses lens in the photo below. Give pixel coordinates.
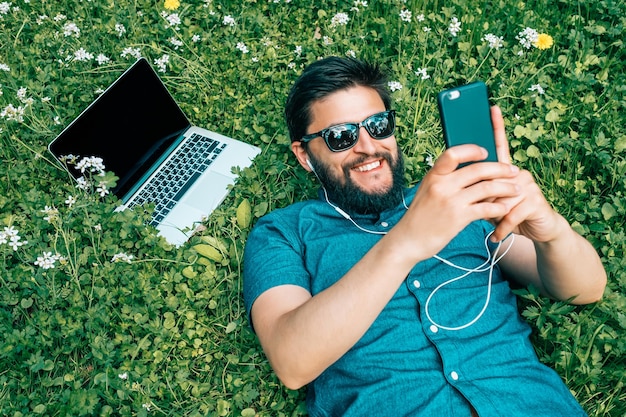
(341, 137)
(380, 125)
(344, 136)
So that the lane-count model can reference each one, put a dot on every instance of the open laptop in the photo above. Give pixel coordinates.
(144, 138)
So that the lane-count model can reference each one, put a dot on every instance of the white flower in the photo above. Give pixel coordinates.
(394, 85)
(11, 231)
(10, 236)
(47, 260)
(162, 62)
(102, 59)
(83, 55)
(527, 37)
(4, 67)
(122, 257)
(15, 242)
(422, 73)
(5, 7)
(82, 184)
(351, 53)
(455, 26)
(427, 29)
(494, 41)
(229, 21)
(70, 29)
(196, 38)
(102, 189)
(70, 201)
(146, 406)
(51, 213)
(173, 20)
(538, 88)
(242, 47)
(176, 42)
(298, 50)
(420, 17)
(133, 52)
(123, 376)
(430, 161)
(93, 164)
(120, 29)
(405, 15)
(12, 113)
(21, 94)
(327, 40)
(59, 17)
(339, 19)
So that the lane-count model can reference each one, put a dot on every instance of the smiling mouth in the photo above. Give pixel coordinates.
(368, 167)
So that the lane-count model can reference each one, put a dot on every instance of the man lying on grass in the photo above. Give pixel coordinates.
(394, 301)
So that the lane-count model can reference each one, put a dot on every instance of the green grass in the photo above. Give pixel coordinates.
(166, 334)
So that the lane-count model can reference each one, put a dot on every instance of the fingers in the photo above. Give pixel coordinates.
(502, 144)
(449, 161)
(529, 213)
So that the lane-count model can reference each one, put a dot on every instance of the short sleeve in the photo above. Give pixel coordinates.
(273, 256)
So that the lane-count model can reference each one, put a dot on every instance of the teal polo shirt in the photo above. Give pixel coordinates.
(410, 362)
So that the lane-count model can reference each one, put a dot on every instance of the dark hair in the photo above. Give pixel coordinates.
(324, 77)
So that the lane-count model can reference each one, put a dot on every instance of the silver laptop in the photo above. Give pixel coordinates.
(144, 138)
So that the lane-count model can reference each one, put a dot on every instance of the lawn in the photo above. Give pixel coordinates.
(100, 316)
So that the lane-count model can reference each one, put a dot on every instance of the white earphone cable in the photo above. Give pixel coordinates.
(488, 265)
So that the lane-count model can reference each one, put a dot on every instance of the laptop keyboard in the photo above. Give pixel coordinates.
(177, 174)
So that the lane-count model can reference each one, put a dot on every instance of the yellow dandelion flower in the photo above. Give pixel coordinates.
(544, 41)
(171, 4)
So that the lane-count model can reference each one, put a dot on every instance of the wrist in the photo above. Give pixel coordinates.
(560, 232)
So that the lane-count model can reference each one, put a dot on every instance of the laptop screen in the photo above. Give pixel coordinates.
(129, 126)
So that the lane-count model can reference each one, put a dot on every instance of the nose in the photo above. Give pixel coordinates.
(365, 144)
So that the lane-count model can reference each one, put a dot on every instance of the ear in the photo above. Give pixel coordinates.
(301, 154)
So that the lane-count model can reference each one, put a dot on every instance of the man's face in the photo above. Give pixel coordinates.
(367, 178)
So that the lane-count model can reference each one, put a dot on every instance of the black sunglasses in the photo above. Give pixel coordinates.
(344, 136)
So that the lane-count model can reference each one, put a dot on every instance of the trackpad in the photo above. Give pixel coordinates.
(209, 191)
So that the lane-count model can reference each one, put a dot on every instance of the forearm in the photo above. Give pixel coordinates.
(569, 267)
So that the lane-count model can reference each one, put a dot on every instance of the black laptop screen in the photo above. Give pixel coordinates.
(129, 126)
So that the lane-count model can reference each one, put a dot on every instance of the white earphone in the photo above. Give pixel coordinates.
(308, 162)
(488, 265)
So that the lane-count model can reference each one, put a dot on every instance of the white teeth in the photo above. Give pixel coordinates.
(368, 167)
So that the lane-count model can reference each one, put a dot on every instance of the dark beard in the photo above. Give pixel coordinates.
(351, 198)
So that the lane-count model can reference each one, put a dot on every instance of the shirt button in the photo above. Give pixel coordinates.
(434, 328)
(384, 224)
(417, 284)
(454, 376)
